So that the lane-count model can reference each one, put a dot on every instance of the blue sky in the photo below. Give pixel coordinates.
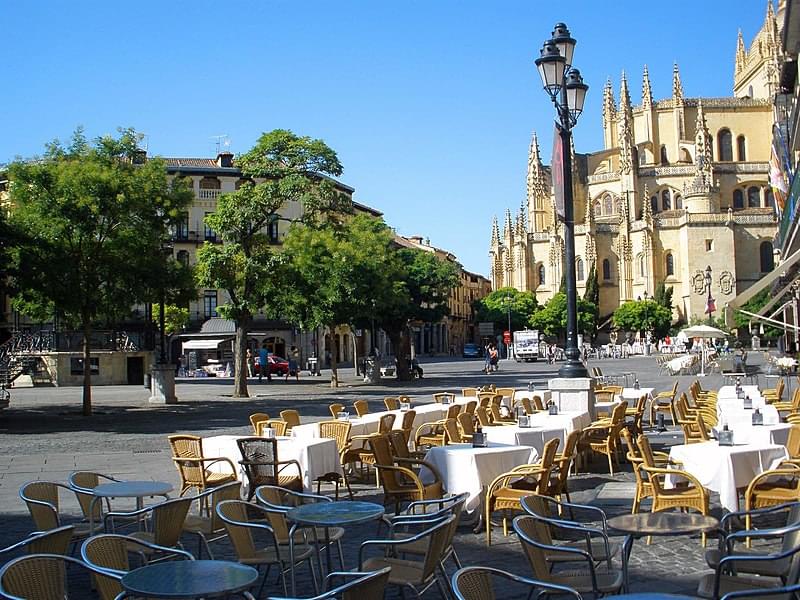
(429, 104)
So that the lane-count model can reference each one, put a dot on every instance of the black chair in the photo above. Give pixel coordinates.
(262, 466)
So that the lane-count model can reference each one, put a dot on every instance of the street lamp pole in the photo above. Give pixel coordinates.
(709, 299)
(566, 89)
(510, 342)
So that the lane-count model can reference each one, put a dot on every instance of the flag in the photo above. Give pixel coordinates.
(777, 180)
(710, 305)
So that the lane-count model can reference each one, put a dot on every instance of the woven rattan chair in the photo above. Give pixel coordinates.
(365, 455)
(400, 447)
(791, 406)
(263, 467)
(363, 586)
(399, 481)
(55, 541)
(506, 491)
(163, 523)
(83, 484)
(245, 522)
(663, 402)
(193, 466)
(772, 488)
(469, 392)
(444, 398)
(41, 498)
(407, 424)
(391, 403)
(602, 436)
(562, 465)
(205, 523)
(433, 434)
(279, 427)
(773, 395)
(418, 575)
(634, 455)
(40, 577)
(470, 407)
(466, 426)
(339, 431)
(498, 418)
(477, 583)
(257, 418)
(335, 409)
(361, 407)
(507, 392)
(110, 553)
(636, 414)
(482, 415)
(292, 418)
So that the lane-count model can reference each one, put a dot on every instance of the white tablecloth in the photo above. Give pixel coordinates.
(545, 395)
(471, 470)
(676, 364)
(734, 415)
(569, 421)
(535, 437)
(724, 469)
(729, 391)
(745, 433)
(316, 456)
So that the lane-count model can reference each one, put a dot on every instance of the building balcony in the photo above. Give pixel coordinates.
(204, 194)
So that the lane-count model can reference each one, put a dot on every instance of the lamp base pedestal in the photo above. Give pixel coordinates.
(162, 385)
(573, 394)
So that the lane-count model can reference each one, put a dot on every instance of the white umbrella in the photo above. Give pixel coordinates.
(703, 331)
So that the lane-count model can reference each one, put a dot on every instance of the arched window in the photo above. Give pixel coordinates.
(606, 269)
(738, 199)
(542, 279)
(769, 198)
(210, 183)
(608, 205)
(753, 197)
(725, 143)
(640, 265)
(579, 276)
(678, 201)
(598, 209)
(767, 259)
(670, 260)
(741, 151)
(666, 202)
(635, 156)
(654, 204)
(183, 257)
(664, 157)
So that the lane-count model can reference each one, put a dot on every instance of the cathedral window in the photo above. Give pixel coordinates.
(666, 202)
(725, 143)
(769, 198)
(753, 197)
(741, 151)
(738, 199)
(606, 269)
(598, 209)
(579, 276)
(670, 260)
(608, 205)
(678, 201)
(664, 157)
(542, 279)
(767, 258)
(640, 265)
(654, 204)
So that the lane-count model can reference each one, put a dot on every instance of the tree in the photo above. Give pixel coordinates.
(643, 315)
(754, 305)
(663, 295)
(95, 221)
(175, 319)
(338, 274)
(494, 308)
(292, 187)
(592, 294)
(551, 320)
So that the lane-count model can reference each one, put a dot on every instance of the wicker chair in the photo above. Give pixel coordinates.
(365, 455)
(773, 395)
(482, 414)
(602, 436)
(506, 491)
(263, 467)
(55, 541)
(498, 418)
(507, 392)
(335, 409)
(292, 418)
(109, 553)
(206, 524)
(361, 407)
(257, 418)
(470, 407)
(538, 405)
(469, 392)
(772, 488)
(419, 575)
(399, 481)
(39, 577)
(41, 498)
(634, 455)
(391, 403)
(83, 484)
(407, 424)
(444, 398)
(279, 427)
(339, 431)
(236, 514)
(790, 407)
(636, 413)
(364, 586)
(163, 523)
(562, 464)
(477, 583)
(400, 447)
(466, 426)
(433, 434)
(193, 467)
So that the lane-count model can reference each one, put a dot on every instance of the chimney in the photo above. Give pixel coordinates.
(139, 156)
(225, 160)
(416, 238)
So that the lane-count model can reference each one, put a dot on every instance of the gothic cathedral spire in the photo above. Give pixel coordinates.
(537, 188)
(495, 241)
(609, 115)
(677, 87)
(647, 92)
(741, 54)
(625, 128)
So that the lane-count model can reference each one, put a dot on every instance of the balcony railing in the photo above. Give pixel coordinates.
(204, 194)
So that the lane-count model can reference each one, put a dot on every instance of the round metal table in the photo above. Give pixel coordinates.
(189, 579)
(128, 489)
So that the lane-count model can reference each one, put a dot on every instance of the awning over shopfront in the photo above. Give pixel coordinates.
(204, 344)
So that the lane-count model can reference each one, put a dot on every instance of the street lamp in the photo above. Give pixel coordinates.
(709, 300)
(508, 309)
(566, 89)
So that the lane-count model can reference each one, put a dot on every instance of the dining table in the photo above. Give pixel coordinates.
(184, 579)
(535, 437)
(139, 489)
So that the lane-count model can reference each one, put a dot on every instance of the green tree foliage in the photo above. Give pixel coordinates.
(754, 305)
(291, 178)
(175, 318)
(93, 222)
(494, 308)
(643, 316)
(592, 294)
(551, 320)
(663, 295)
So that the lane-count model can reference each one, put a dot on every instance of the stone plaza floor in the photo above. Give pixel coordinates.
(43, 437)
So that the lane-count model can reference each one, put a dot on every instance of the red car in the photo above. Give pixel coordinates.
(277, 365)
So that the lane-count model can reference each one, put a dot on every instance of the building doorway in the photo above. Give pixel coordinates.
(276, 345)
(135, 370)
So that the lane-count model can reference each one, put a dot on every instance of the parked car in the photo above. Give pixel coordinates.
(471, 351)
(277, 365)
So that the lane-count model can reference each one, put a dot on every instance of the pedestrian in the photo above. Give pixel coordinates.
(249, 363)
(494, 357)
(487, 358)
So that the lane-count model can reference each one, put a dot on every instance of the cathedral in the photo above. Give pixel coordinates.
(680, 185)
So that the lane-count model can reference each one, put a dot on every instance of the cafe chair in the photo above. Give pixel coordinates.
(109, 556)
(361, 407)
(247, 524)
(506, 491)
(562, 465)
(534, 533)
(791, 406)
(470, 407)
(466, 426)
(263, 467)
(42, 500)
(644, 489)
(784, 591)
(162, 524)
(363, 586)
(55, 541)
(469, 392)
(444, 398)
(279, 427)
(399, 481)
(774, 395)
(663, 402)
(478, 583)
(498, 418)
(41, 577)
(602, 436)
(335, 409)
(206, 524)
(194, 467)
(407, 424)
(83, 484)
(772, 488)
(416, 575)
(257, 418)
(340, 432)
(793, 445)
(433, 434)
(292, 418)
(636, 414)
(391, 403)
(483, 417)
(400, 450)
(691, 495)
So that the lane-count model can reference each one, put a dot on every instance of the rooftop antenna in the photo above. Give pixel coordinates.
(221, 139)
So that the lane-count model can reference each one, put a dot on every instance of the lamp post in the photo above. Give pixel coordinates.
(709, 299)
(508, 309)
(566, 89)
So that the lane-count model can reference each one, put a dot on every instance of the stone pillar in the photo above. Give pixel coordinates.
(575, 394)
(162, 385)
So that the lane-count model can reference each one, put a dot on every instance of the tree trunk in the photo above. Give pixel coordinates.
(240, 357)
(334, 358)
(87, 368)
(355, 351)
(402, 352)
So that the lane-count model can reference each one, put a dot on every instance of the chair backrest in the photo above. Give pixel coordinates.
(382, 450)
(469, 392)
(485, 398)
(37, 577)
(41, 497)
(259, 459)
(386, 423)
(291, 416)
(477, 583)
(399, 443)
(167, 520)
(234, 514)
(440, 536)
(338, 430)
(107, 552)
(549, 454)
(641, 403)
(391, 403)
(526, 405)
(470, 406)
(280, 427)
(335, 409)
(361, 407)
(483, 417)
(86, 480)
(506, 392)
(618, 414)
(440, 397)
(256, 418)
(54, 541)
(465, 423)
(452, 411)
(451, 433)
(408, 424)
(793, 442)
(227, 491)
(494, 412)
(533, 535)
(188, 446)
(568, 453)
(537, 402)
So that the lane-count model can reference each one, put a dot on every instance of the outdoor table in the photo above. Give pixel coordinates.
(746, 433)
(514, 435)
(568, 420)
(127, 489)
(734, 415)
(659, 524)
(729, 392)
(190, 579)
(605, 408)
(726, 469)
(334, 514)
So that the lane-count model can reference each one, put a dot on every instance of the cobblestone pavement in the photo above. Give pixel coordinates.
(42, 436)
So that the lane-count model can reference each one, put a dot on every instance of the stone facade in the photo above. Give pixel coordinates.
(680, 184)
